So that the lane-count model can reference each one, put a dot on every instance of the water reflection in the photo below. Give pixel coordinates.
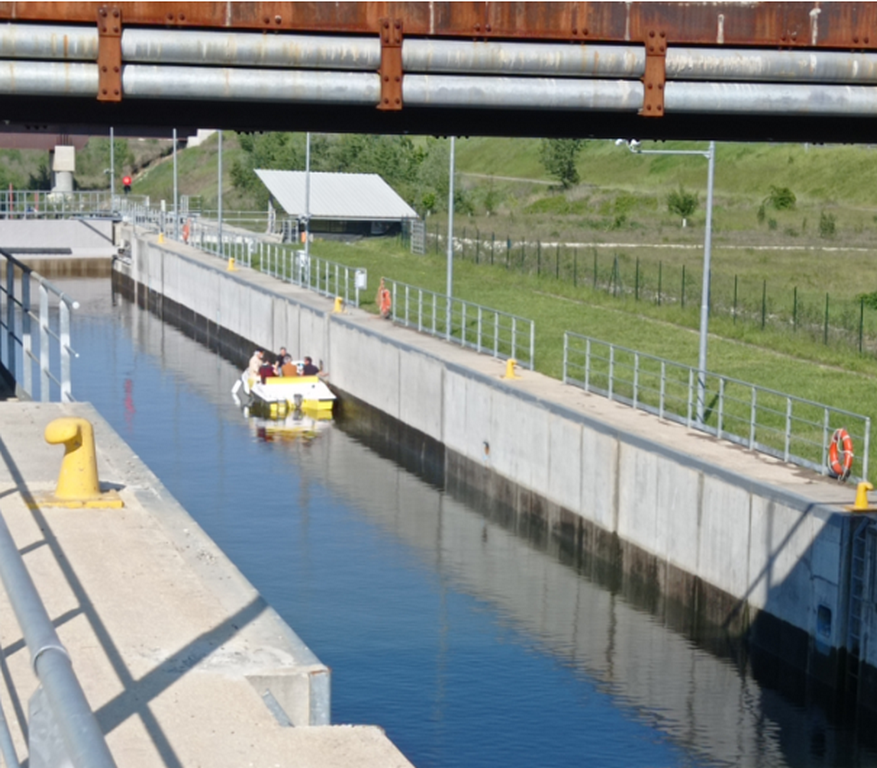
(469, 643)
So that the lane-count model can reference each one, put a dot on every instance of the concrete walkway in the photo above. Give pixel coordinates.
(175, 650)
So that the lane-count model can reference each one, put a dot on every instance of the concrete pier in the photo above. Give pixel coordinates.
(738, 539)
(182, 661)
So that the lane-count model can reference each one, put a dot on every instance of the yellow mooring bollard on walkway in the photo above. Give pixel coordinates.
(231, 266)
(510, 369)
(78, 485)
(339, 306)
(861, 503)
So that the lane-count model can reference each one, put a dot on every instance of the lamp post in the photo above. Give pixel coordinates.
(450, 286)
(710, 155)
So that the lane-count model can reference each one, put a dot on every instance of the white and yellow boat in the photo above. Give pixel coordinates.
(281, 395)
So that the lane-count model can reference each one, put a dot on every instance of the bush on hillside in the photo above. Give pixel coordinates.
(827, 224)
(559, 156)
(682, 203)
(781, 198)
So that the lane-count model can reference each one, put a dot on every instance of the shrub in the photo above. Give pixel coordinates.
(781, 198)
(682, 203)
(827, 224)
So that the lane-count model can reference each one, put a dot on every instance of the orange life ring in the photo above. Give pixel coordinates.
(841, 443)
(385, 302)
(186, 230)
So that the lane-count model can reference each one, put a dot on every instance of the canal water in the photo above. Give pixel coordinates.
(470, 644)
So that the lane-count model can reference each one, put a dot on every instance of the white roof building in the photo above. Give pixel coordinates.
(337, 196)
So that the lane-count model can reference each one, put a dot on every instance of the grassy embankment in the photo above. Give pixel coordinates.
(618, 213)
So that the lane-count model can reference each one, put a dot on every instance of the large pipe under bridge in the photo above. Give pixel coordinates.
(645, 70)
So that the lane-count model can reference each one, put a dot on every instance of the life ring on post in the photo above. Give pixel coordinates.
(840, 453)
(385, 301)
(186, 230)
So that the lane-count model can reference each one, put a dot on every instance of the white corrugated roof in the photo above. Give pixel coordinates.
(337, 195)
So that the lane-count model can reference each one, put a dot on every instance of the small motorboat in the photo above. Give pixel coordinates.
(278, 396)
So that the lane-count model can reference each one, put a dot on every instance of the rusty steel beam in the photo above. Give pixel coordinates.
(841, 25)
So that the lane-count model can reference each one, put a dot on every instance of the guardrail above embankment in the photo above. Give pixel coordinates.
(789, 428)
(487, 331)
(44, 324)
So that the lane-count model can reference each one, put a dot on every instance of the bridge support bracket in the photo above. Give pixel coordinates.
(109, 53)
(655, 75)
(391, 65)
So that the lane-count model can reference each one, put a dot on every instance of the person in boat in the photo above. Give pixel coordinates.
(288, 368)
(309, 369)
(266, 371)
(255, 364)
(278, 364)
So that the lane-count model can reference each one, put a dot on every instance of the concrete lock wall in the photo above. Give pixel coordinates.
(747, 556)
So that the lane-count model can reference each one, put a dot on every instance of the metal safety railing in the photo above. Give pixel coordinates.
(59, 706)
(328, 278)
(22, 321)
(40, 204)
(789, 428)
(488, 331)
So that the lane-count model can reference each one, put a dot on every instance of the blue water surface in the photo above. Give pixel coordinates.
(456, 675)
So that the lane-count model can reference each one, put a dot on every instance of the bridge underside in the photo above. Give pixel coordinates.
(133, 118)
(726, 71)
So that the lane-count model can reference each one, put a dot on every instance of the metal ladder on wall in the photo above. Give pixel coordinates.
(857, 597)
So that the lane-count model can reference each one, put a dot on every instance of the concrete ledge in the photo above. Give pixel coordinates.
(181, 659)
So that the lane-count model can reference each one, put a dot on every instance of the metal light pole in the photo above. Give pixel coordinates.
(307, 197)
(710, 155)
(450, 287)
(176, 196)
(112, 167)
(219, 212)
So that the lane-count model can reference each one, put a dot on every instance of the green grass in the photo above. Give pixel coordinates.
(789, 363)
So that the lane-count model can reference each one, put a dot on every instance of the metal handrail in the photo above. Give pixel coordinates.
(20, 334)
(41, 204)
(328, 278)
(789, 428)
(83, 741)
(488, 331)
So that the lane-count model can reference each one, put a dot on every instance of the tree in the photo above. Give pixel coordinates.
(558, 156)
(682, 203)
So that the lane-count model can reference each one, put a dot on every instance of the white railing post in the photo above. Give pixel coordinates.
(753, 415)
(611, 368)
(788, 440)
(635, 377)
(532, 345)
(10, 318)
(478, 341)
(690, 393)
(663, 389)
(44, 344)
(463, 324)
(64, 310)
(565, 354)
(867, 447)
(825, 423)
(721, 420)
(26, 336)
(496, 334)
(587, 363)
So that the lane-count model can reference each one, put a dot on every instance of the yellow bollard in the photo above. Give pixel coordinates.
(231, 266)
(160, 238)
(339, 305)
(78, 484)
(861, 503)
(510, 369)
